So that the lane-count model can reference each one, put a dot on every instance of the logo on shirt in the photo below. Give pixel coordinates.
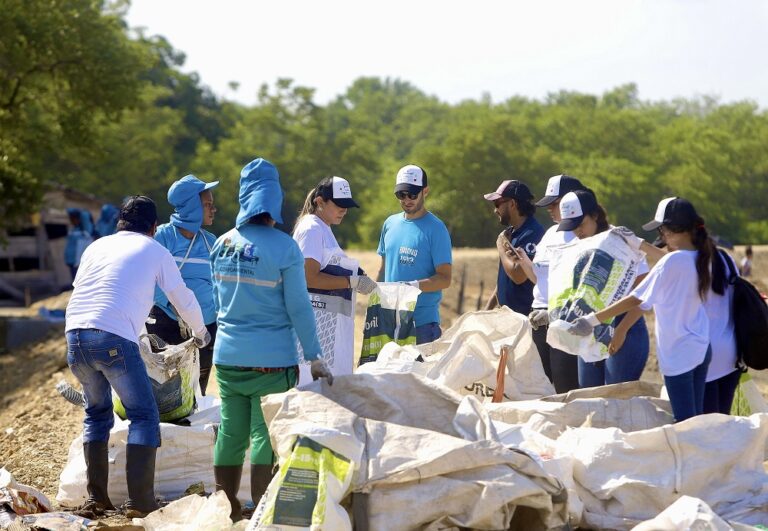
(408, 255)
(530, 248)
(237, 252)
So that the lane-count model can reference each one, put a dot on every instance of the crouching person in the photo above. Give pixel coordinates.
(261, 296)
(112, 295)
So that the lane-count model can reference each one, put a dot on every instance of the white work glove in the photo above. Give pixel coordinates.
(202, 338)
(319, 369)
(628, 236)
(414, 283)
(362, 284)
(583, 326)
(538, 318)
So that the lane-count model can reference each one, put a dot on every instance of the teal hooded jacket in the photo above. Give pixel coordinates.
(259, 285)
(192, 256)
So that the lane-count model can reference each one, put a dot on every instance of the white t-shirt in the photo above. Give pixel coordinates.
(545, 250)
(115, 286)
(721, 333)
(334, 309)
(682, 326)
(315, 238)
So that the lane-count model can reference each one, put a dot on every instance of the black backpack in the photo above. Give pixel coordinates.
(750, 321)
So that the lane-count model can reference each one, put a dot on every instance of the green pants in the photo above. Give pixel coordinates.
(241, 416)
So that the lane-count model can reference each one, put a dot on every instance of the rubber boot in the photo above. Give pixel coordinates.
(96, 455)
(140, 476)
(261, 475)
(228, 479)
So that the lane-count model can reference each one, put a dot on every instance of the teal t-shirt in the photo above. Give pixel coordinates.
(412, 250)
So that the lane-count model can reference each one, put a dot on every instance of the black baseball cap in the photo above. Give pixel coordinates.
(557, 187)
(511, 188)
(674, 211)
(337, 190)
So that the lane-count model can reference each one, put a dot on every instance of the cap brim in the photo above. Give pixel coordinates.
(652, 225)
(410, 188)
(208, 186)
(493, 196)
(570, 223)
(345, 202)
(547, 200)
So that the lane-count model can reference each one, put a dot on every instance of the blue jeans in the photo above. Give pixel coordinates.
(686, 391)
(427, 333)
(718, 394)
(626, 365)
(101, 361)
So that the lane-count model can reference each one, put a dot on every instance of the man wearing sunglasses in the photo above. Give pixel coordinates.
(513, 204)
(415, 247)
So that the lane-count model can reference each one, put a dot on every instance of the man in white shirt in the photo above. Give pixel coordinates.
(113, 293)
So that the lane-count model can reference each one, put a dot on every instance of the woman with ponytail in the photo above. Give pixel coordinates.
(676, 289)
(723, 374)
(332, 276)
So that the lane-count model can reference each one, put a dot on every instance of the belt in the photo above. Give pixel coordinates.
(266, 370)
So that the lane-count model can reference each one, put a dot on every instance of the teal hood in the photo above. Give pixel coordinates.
(184, 196)
(259, 192)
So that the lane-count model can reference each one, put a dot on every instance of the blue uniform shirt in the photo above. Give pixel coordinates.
(518, 297)
(195, 266)
(412, 250)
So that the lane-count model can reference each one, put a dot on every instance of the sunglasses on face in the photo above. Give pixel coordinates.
(498, 202)
(403, 194)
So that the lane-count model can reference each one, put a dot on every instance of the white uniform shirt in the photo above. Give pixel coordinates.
(682, 326)
(721, 333)
(545, 250)
(115, 286)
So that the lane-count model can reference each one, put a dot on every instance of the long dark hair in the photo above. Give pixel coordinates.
(709, 266)
(310, 207)
(601, 218)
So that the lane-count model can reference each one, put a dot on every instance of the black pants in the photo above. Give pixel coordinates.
(167, 329)
(561, 368)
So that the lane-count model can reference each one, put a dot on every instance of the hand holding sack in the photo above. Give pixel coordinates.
(362, 284)
(629, 237)
(583, 326)
(202, 338)
(538, 318)
(319, 369)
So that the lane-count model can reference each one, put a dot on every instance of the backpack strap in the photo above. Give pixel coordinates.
(732, 275)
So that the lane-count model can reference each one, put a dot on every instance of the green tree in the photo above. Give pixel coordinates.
(64, 64)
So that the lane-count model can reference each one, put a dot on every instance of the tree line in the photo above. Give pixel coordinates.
(87, 102)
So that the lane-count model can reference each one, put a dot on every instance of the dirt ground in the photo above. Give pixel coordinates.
(37, 425)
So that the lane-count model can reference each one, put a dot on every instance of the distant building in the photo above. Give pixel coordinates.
(32, 257)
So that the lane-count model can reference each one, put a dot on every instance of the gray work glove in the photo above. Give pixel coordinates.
(202, 338)
(630, 237)
(319, 369)
(363, 284)
(538, 318)
(583, 326)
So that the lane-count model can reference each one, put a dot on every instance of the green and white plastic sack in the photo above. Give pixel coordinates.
(748, 399)
(311, 482)
(584, 277)
(174, 372)
(389, 318)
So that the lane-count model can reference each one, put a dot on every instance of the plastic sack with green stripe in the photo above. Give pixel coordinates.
(389, 318)
(174, 372)
(586, 276)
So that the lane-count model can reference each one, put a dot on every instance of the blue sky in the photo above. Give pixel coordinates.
(460, 50)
